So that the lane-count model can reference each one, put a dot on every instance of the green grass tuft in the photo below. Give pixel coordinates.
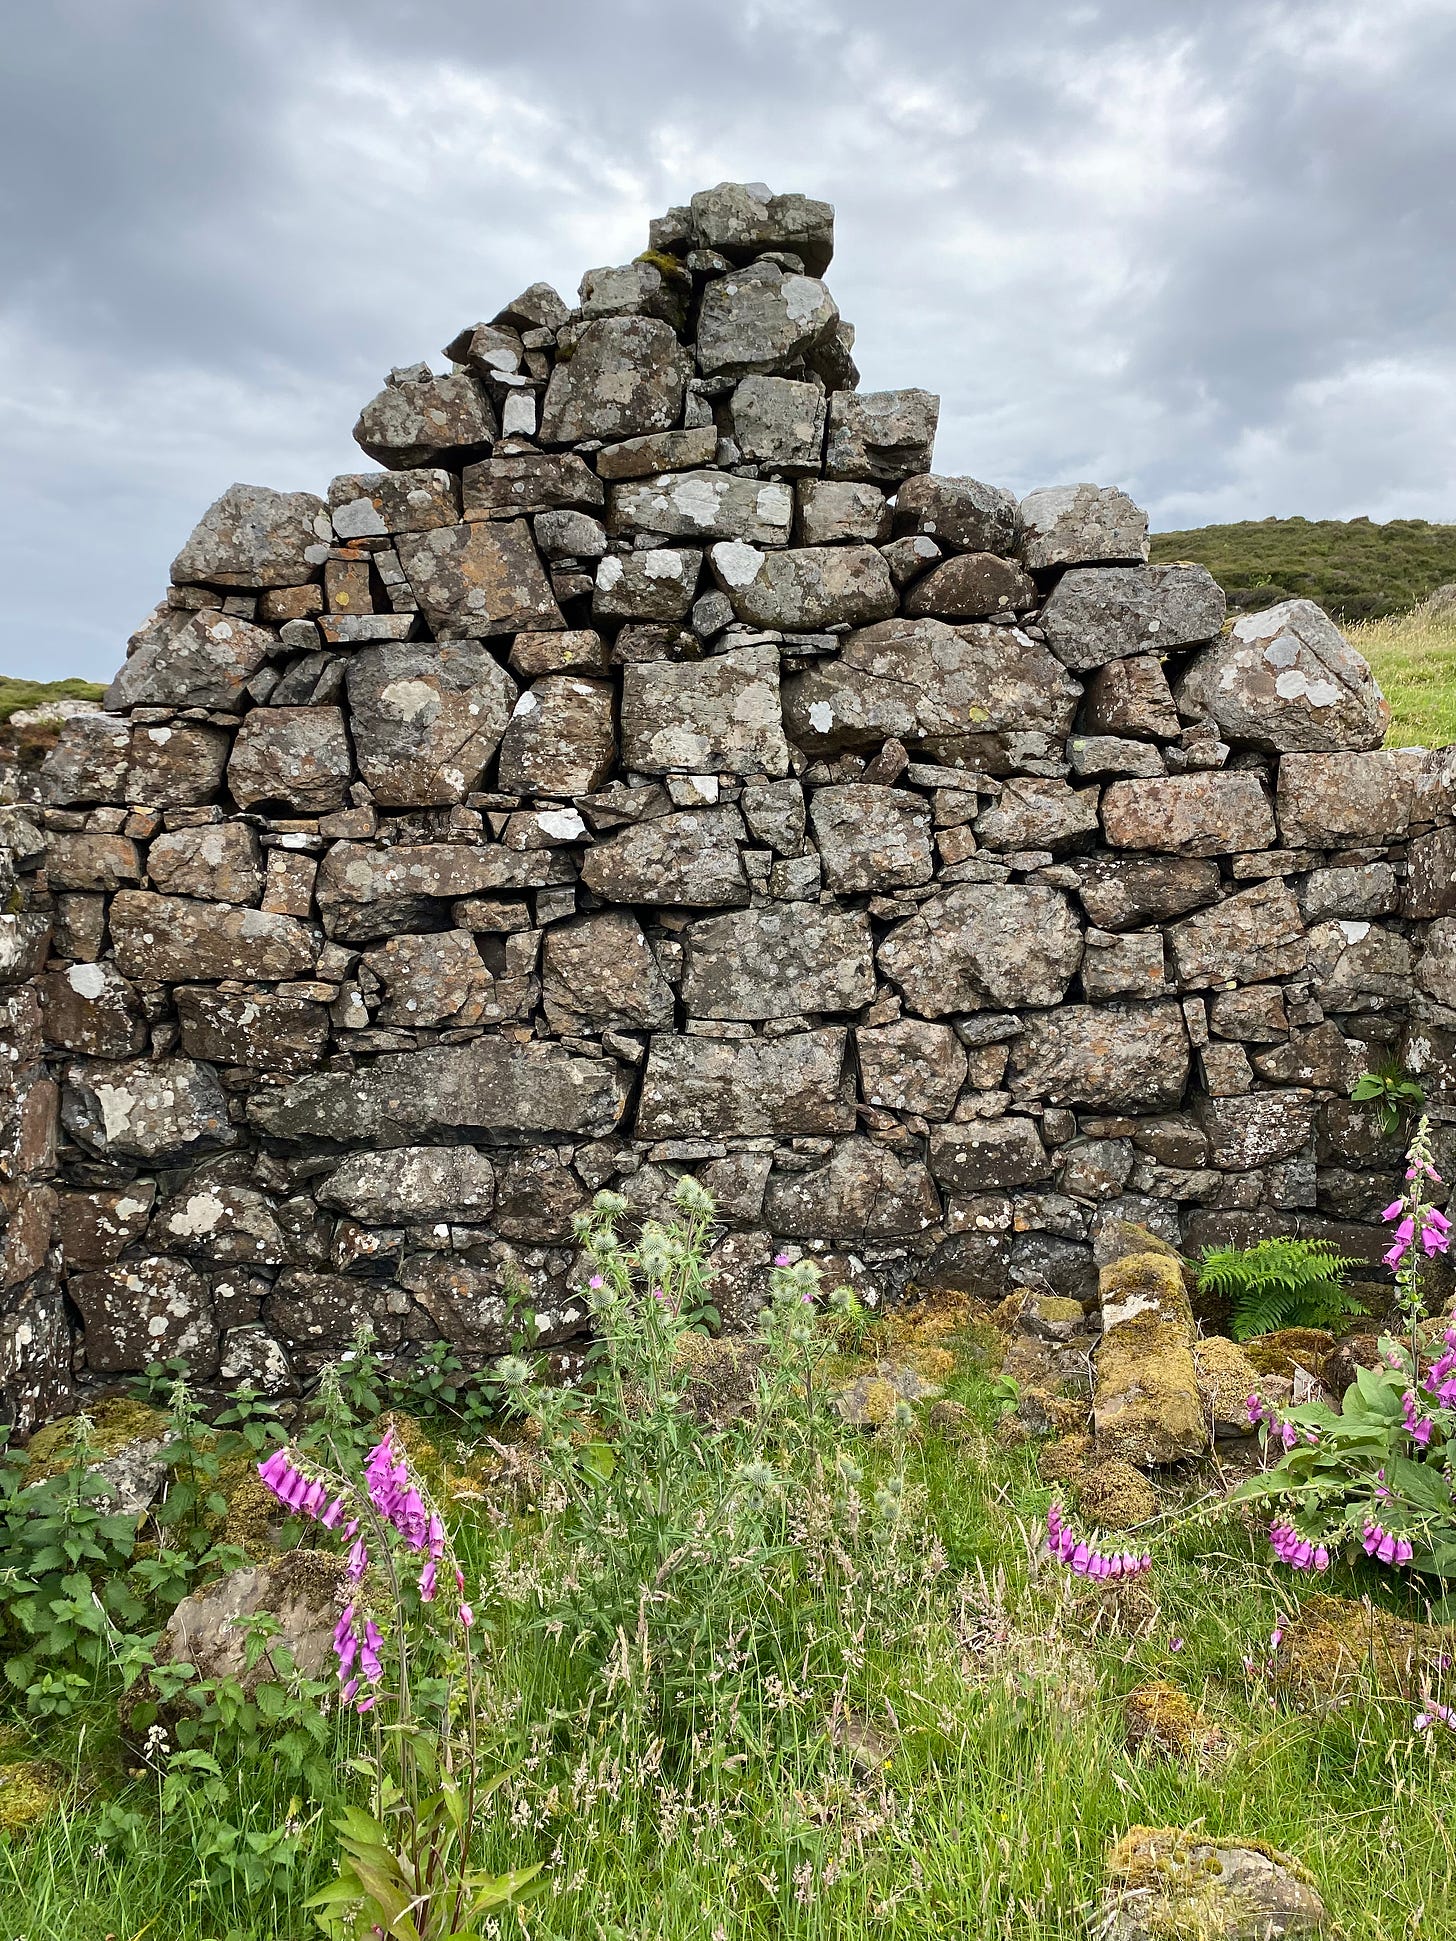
(16, 693)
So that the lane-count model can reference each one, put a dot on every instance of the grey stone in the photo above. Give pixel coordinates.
(1131, 697)
(917, 679)
(414, 424)
(742, 220)
(426, 720)
(206, 663)
(1118, 892)
(1288, 681)
(1097, 614)
(261, 1030)
(299, 757)
(220, 862)
(89, 762)
(831, 511)
(93, 1011)
(1320, 1057)
(511, 484)
(1031, 813)
(493, 1085)
(1081, 525)
(178, 765)
(1126, 965)
(961, 514)
(1331, 801)
(778, 423)
(1431, 884)
(774, 812)
(1088, 1055)
(988, 1155)
(478, 579)
(175, 939)
(718, 716)
(1436, 966)
(748, 1087)
(1357, 966)
(634, 290)
(762, 320)
(805, 588)
(911, 1066)
(1170, 1881)
(560, 739)
(778, 961)
(1253, 935)
(91, 861)
(254, 537)
(601, 974)
(368, 505)
(1349, 890)
(880, 436)
(984, 946)
(1093, 755)
(871, 839)
(861, 1192)
(367, 892)
(659, 451)
(1255, 1130)
(625, 377)
(538, 308)
(161, 1112)
(412, 1183)
(656, 585)
(229, 1225)
(431, 980)
(569, 535)
(689, 858)
(1210, 814)
(971, 586)
(704, 505)
(142, 1311)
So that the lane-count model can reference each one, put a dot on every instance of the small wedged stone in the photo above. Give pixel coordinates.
(254, 537)
(1286, 680)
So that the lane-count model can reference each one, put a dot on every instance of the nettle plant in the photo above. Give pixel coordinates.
(1376, 1474)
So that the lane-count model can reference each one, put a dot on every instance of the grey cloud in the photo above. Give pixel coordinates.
(1204, 251)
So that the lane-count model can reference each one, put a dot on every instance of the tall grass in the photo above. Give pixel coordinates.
(1414, 659)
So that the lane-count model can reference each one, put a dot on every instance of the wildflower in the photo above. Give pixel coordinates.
(597, 1283)
(1434, 1713)
(467, 1616)
(781, 1260)
(514, 1371)
(427, 1582)
(1296, 1551)
(1084, 1558)
(1175, 1644)
(1418, 1426)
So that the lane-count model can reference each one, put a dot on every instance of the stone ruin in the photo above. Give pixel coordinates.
(657, 767)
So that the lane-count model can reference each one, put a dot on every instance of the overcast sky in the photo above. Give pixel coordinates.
(1204, 251)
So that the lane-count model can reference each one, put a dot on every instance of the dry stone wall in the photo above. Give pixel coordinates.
(658, 767)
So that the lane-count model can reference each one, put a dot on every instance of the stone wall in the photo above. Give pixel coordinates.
(657, 767)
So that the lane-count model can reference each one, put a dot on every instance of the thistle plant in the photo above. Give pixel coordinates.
(407, 1867)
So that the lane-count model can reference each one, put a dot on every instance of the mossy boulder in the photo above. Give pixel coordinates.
(1146, 1403)
(1226, 1380)
(1163, 1722)
(305, 1590)
(1111, 1494)
(123, 1444)
(30, 1791)
(1171, 1883)
(1290, 1350)
(1335, 1649)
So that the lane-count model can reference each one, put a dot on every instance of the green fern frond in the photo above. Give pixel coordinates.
(1280, 1283)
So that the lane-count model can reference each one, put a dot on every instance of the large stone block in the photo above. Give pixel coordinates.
(436, 979)
(162, 1112)
(204, 663)
(413, 1184)
(514, 483)
(626, 376)
(916, 679)
(494, 1085)
(298, 758)
(988, 1155)
(984, 946)
(696, 1088)
(91, 861)
(709, 717)
(367, 505)
(960, 514)
(871, 839)
(762, 320)
(1122, 892)
(1288, 681)
(1359, 966)
(656, 585)
(911, 1066)
(102, 758)
(805, 588)
(1254, 935)
(1205, 814)
(880, 436)
(1081, 525)
(778, 960)
(778, 424)
(366, 892)
(560, 740)
(861, 1192)
(92, 1010)
(1431, 887)
(254, 537)
(830, 511)
(600, 973)
(261, 1030)
(704, 505)
(174, 939)
(426, 720)
(740, 221)
(689, 858)
(1135, 1058)
(971, 586)
(423, 419)
(1131, 697)
(219, 862)
(1335, 801)
(143, 1311)
(478, 579)
(1256, 1129)
(1031, 813)
(1097, 614)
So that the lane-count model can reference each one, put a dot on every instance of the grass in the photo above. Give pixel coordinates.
(16, 693)
(1355, 569)
(1413, 656)
(699, 1793)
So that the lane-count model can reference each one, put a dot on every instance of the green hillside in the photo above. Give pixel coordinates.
(16, 693)
(1354, 568)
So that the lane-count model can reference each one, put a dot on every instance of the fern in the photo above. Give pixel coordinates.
(1280, 1283)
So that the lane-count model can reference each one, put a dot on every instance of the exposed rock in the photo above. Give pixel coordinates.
(303, 1592)
(1097, 614)
(660, 451)
(704, 505)
(804, 588)
(697, 1088)
(778, 423)
(206, 663)
(722, 715)
(427, 418)
(254, 537)
(220, 862)
(298, 757)
(479, 579)
(911, 1067)
(961, 514)
(625, 377)
(1327, 801)
(600, 973)
(226, 1225)
(1256, 934)
(779, 960)
(1166, 1881)
(1288, 681)
(161, 1112)
(1082, 1054)
(880, 436)
(560, 739)
(426, 720)
(690, 858)
(763, 320)
(413, 1183)
(1191, 815)
(741, 222)
(1081, 525)
(984, 946)
(146, 1310)
(175, 938)
(871, 839)
(1146, 1404)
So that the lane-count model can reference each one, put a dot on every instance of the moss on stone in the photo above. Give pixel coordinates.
(114, 1425)
(1112, 1495)
(30, 1790)
(1165, 1722)
(1290, 1349)
(1334, 1648)
(1226, 1379)
(1147, 1407)
(667, 266)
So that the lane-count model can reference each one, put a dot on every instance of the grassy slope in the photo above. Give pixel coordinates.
(1414, 659)
(1354, 568)
(16, 693)
(999, 1685)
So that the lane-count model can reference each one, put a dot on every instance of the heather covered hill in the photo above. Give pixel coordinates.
(1355, 568)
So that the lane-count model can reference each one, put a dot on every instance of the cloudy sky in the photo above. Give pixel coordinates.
(1206, 250)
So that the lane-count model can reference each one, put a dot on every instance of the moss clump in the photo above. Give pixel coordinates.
(1148, 1408)
(667, 266)
(1165, 1722)
(114, 1425)
(253, 1513)
(1112, 1495)
(30, 1791)
(1226, 1379)
(1290, 1349)
(1066, 1460)
(1334, 1648)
